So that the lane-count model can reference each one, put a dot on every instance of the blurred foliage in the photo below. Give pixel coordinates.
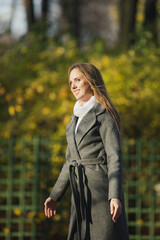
(35, 98)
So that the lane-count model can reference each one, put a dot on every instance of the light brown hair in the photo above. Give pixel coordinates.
(95, 80)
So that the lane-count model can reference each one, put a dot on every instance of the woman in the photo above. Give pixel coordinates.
(93, 164)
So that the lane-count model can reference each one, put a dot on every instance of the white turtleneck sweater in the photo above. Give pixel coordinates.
(81, 111)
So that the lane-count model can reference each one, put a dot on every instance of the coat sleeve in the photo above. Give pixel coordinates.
(62, 182)
(111, 141)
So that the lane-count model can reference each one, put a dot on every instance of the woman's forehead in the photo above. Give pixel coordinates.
(75, 73)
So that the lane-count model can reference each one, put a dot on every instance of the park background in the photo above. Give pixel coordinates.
(39, 40)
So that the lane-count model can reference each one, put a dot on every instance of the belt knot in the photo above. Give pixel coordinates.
(75, 163)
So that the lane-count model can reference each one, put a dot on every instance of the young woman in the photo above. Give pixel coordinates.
(93, 166)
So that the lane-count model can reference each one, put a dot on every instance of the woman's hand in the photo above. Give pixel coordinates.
(50, 207)
(115, 208)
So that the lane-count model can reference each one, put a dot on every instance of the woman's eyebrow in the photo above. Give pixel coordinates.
(77, 77)
(73, 79)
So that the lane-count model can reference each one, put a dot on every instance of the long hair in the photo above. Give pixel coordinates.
(95, 80)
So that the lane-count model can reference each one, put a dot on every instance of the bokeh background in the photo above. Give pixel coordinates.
(39, 40)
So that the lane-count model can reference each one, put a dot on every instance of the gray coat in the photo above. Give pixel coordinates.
(93, 168)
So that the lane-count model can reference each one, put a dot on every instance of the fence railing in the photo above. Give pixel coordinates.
(28, 169)
(142, 191)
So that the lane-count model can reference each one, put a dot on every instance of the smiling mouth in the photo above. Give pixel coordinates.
(75, 92)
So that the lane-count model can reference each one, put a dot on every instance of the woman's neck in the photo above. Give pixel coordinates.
(82, 102)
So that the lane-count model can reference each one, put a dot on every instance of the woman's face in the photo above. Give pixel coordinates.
(79, 86)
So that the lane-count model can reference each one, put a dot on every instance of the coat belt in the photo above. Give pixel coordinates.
(77, 185)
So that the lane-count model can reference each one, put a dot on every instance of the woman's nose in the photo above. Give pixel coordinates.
(74, 85)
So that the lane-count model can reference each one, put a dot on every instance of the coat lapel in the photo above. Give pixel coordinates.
(88, 121)
(85, 125)
(71, 136)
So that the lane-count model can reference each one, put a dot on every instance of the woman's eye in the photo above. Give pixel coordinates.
(78, 79)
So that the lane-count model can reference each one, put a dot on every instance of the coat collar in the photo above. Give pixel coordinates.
(85, 125)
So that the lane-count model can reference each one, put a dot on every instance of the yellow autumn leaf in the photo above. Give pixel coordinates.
(63, 92)
(41, 215)
(8, 97)
(105, 60)
(6, 230)
(17, 211)
(46, 111)
(131, 141)
(18, 147)
(11, 110)
(52, 96)
(139, 221)
(19, 100)
(6, 134)
(31, 214)
(2, 90)
(32, 125)
(140, 17)
(40, 89)
(66, 119)
(18, 108)
(57, 217)
(28, 93)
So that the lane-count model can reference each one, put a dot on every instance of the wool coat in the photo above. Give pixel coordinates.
(93, 168)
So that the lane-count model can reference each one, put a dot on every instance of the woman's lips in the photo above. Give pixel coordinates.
(77, 91)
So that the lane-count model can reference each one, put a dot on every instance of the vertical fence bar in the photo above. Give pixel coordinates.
(152, 192)
(9, 186)
(139, 194)
(125, 169)
(22, 191)
(36, 144)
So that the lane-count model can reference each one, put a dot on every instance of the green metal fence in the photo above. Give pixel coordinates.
(28, 168)
(20, 195)
(142, 191)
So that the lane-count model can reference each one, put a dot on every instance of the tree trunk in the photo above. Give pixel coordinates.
(128, 10)
(30, 12)
(76, 20)
(150, 22)
(44, 9)
(71, 12)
